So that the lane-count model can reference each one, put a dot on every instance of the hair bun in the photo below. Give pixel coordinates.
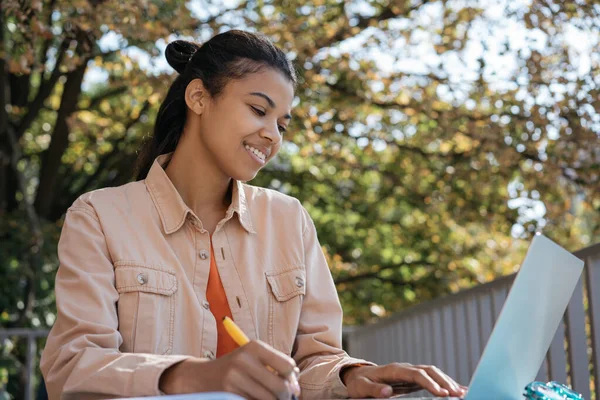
(179, 53)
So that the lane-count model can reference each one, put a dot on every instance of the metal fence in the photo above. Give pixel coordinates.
(31, 360)
(451, 332)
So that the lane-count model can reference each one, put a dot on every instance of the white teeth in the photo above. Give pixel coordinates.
(256, 151)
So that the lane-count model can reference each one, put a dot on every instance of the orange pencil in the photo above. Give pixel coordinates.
(241, 339)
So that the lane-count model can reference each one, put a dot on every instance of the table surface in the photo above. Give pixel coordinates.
(229, 396)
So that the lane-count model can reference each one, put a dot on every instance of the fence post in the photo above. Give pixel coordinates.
(31, 355)
(592, 271)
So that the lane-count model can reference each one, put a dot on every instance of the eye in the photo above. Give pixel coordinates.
(258, 111)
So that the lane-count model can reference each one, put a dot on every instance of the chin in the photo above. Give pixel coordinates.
(242, 171)
(244, 176)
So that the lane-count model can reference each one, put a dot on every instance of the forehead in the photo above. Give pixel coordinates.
(270, 82)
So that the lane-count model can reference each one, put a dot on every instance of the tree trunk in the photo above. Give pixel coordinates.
(51, 159)
(5, 170)
(19, 89)
(4, 148)
(45, 89)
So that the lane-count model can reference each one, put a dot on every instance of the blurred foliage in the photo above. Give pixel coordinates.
(430, 139)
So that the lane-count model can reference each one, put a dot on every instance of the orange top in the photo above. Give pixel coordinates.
(215, 294)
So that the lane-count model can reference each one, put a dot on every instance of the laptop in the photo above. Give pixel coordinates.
(527, 323)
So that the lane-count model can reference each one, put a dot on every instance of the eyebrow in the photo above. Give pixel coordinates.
(270, 101)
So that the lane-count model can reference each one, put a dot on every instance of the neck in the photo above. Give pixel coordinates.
(202, 185)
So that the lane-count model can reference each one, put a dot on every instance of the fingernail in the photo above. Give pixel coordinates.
(295, 387)
(293, 392)
(386, 391)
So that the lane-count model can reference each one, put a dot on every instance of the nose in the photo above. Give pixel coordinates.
(271, 133)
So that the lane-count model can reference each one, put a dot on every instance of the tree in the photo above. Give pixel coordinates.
(425, 163)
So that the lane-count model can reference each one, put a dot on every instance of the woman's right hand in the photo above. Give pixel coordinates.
(243, 371)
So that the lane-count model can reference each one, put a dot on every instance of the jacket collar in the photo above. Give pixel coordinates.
(171, 207)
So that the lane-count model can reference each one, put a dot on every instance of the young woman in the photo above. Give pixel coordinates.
(148, 270)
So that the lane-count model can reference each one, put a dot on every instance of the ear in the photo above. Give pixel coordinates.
(196, 96)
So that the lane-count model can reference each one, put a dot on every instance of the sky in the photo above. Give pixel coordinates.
(419, 57)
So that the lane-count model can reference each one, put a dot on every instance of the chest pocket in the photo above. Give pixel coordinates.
(146, 307)
(287, 290)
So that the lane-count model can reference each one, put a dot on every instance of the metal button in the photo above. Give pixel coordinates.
(205, 304)
(142, 279)
(299, 281)
(209, 354)
(204, 254)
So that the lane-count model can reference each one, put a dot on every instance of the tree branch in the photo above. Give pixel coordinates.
(47, 42)
(564, 171)
(115, 150)
(44, 91)
(346, 31)
(35, 257)
(51, 159)
(347, 93)
(105, 95)
(376, 275)
(388, 13)
(213, 18)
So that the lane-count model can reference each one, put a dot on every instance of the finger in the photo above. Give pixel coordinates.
(243, 384)
(364, 387)
(295, 385)
(275, 359)
(428, 383)
(405, 387)
(443, 380)
(279, 386)
(409, 373)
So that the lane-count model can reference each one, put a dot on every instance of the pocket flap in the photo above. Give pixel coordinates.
(139, 278)
(287, 284)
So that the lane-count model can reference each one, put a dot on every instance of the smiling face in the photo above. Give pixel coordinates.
(241, 129)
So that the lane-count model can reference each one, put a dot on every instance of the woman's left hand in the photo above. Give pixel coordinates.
(377, 381)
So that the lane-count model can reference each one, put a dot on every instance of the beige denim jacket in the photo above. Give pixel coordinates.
(131, 289)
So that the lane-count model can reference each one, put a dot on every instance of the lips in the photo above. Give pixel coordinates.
(263, 149)
(256, 155)
(262, 155)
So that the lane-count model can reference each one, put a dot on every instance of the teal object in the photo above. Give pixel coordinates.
(550, 391)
